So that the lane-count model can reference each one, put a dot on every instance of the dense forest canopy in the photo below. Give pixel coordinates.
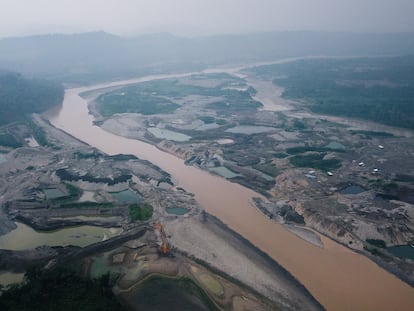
(20, 96)
(377, 89)
(59, 289)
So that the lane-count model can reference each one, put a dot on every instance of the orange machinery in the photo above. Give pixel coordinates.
(164, 248)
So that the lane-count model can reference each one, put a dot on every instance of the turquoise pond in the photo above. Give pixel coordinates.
(2, 157)
(126, 196)
(177, 210)
(403, 251)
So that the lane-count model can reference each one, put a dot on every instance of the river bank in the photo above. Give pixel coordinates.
(136, 251)
(342, 289)
(26, 245)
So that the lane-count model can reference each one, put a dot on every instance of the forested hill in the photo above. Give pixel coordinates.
(20, 96)
(378, 89)
(98, 56)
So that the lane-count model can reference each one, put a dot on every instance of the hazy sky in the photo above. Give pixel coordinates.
(18, 17)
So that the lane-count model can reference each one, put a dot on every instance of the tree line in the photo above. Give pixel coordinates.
(20, 96)
(376, 89)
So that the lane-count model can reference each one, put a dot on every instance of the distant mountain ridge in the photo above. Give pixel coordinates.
(94, 54)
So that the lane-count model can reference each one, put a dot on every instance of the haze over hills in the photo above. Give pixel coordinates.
(207, 155)
(98, 55)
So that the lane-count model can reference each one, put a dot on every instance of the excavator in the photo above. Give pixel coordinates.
(164, 249)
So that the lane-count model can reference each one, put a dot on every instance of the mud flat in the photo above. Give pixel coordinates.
(214, 243)
(306, 234)
(359, 284)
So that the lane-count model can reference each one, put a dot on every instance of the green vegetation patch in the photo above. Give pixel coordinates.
(299, 125)
(372, 133)
(376, 89)
(20, 96)
(207, 119)
(82, 155)
(140, 211)
(390, 187)
(9, 140)
(404, 178)
(37, 132)
(377, 242)
(212, 284)
(381, 184)
(315, 161)
(160, 293)
(73, 194)
(60, 289)
(73, 190)
(280, 155)
(236, 101)
(134, 102)
(267, 168)
(221, 121)
(374, 251)
(154, 97)
(303, 149)
(66, 175)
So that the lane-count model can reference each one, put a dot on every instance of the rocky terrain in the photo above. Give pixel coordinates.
(348, 179)
(66, 183)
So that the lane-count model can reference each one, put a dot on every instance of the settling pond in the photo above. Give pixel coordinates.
(24, 237)
(126, 196)
(224, 171)
(350, 281)
(54, 193)
(177, 211)
(169, 135)
(404, 251)
(250, 129)
(353, 189)
(2, 157)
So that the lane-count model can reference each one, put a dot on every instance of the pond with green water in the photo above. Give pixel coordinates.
(24, 237)
(126, 196)
(403, 251)
(177, 211)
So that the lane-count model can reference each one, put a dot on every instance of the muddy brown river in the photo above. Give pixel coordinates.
(339, 278)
